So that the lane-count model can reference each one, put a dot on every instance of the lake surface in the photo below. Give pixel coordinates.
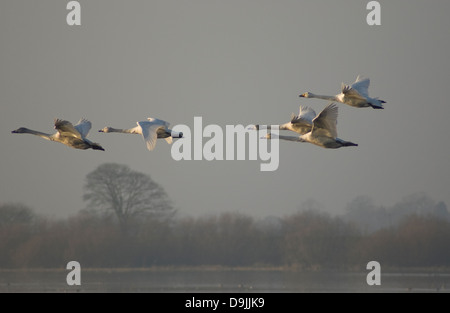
(218, 280)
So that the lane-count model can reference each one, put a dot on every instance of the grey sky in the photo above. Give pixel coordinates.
(231, 62)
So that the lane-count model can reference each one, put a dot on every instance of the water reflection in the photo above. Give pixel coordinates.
(218, 280)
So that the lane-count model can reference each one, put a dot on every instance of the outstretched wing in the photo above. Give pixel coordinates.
(83, 127)
(158, 121)
(362, 86)
(150, 133)
(65, 128)
(324, 124)
(359, 89)
(305, 116)
(303, 122)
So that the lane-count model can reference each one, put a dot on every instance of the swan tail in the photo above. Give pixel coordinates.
(376, 106)
(96, 146)
(376, 103)
(349, 144)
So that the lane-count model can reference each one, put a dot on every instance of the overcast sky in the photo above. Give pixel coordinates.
(230, 62)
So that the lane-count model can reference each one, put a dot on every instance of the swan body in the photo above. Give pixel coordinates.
(323, 132)
(67, 134)
(355, 95)
(301, 123)
(151, 130)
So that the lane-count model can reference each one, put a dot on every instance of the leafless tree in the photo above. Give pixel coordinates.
(15, 213)
(117, 189)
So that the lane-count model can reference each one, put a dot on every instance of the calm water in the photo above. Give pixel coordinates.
(265, 281)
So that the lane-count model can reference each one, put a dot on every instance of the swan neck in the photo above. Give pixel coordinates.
(289, 138)
(282, 137)
(324, 97)
(38, 133)
(119, 130)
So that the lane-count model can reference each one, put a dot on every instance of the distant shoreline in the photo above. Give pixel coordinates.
(212, 268)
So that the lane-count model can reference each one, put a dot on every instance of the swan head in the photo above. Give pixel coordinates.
(20, 130)
(253, 127)
(306, 95)
(105, 130)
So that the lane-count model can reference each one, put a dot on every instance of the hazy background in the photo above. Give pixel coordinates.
(231, 62)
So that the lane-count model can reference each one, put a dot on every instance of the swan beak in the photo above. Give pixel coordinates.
(101, 131)
(302, 95)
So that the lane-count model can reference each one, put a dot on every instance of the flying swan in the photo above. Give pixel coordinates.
(301, 123)
(150, 130)
(68, 134)
(356, 95)
(323, 131)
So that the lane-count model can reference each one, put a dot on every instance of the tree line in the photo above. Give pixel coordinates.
(120, 228)
(308, 240)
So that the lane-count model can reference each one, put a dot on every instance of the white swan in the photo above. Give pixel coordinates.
(150, 130)
(356, 95)
(301, 123)
(323, 132)
(68, 134)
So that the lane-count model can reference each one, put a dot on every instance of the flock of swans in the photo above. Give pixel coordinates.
(319, 129)
(74, 136)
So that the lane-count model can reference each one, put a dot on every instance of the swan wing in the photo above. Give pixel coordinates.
(66, 129)
(345, 88)
(169, 140)
(324, 124)
(158, 121)
(150, 133)
(304, 120)
(83, 127)
(349, 92)
(361, 86)
(306, 114)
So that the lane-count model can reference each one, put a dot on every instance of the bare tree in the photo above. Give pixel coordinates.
(15, 213)
(115, 188)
